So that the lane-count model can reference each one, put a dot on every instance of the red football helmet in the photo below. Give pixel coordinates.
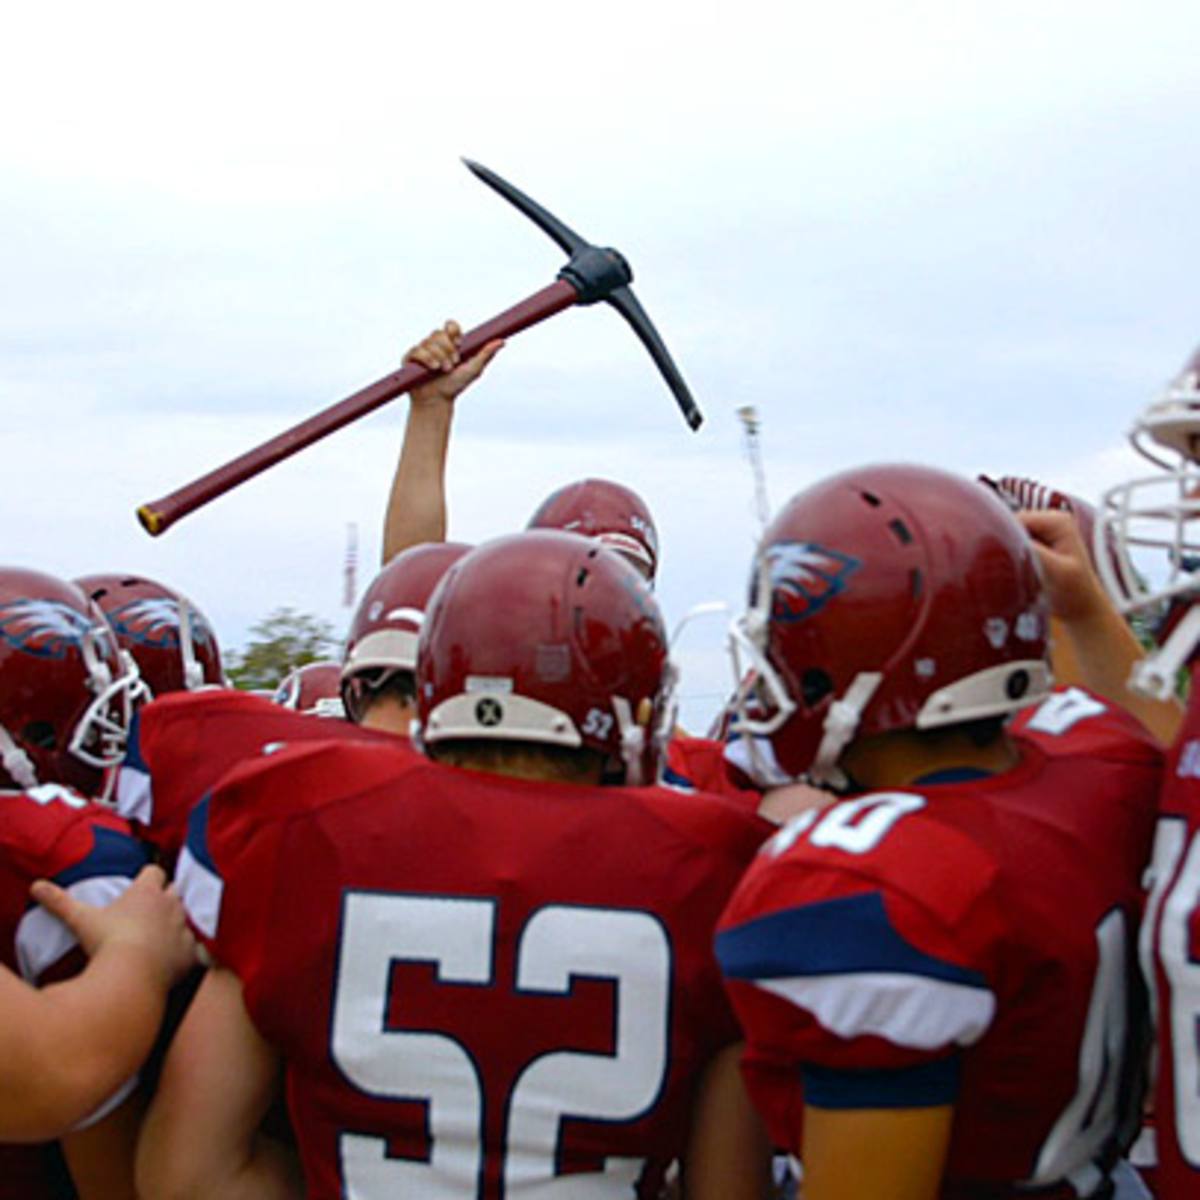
(887, 598)
(171, 642)
(547, 637)
(66, 691)
(383, 634)
(609, 512)
(314, 689)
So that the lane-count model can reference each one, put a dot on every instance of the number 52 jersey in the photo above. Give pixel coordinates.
(969, 943)
(480, 986)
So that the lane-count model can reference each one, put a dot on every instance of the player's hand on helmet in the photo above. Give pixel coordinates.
(147, 916)
(440, 351)
(1072, 585)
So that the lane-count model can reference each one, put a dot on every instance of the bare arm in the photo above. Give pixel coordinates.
(1093, 644)
(68, 1046)
(201, 1136)
(875, 1154)
(728, 1155)
(416, 510)
(100, 1157)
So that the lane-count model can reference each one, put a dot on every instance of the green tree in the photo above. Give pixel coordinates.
(278, 643)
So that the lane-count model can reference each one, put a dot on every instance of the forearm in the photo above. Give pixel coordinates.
(416, 510)
(78, 1042)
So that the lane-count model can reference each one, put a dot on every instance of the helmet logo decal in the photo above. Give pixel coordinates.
(44, 628)
(805, 577)
(488, 712)
(155, 622)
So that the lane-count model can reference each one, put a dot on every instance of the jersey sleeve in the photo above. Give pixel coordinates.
(853, 986)
(51, 832)
(233, 852)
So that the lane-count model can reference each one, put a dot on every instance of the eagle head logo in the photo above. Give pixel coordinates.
(805, 577)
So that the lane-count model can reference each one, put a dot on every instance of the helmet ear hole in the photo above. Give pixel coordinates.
(815, 685)
(40, 734)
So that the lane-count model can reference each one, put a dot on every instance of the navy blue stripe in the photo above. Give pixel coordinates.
(953, 775)
(924, 1086)
(112, 853)
(674, 779)
(133, 746)
(832, 937)
(197, 836)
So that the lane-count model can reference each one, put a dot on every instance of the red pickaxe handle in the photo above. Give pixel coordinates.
(158, 515)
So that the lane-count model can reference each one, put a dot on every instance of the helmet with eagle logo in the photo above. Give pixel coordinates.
(886, 598)
(166, 634)
(66, 691)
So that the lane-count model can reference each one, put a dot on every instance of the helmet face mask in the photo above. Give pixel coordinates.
(884, 599)
(1157, 516)
(550, 639)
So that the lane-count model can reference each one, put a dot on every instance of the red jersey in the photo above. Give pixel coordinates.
(480, 985)
(963, 942)
(51, 832)
(700, 764)
(1170, 956)
(182, 743)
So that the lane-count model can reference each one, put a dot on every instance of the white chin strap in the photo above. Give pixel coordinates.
(840, 726)
(1155, 675)
(16, 762)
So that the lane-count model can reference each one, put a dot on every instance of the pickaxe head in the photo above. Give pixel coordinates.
(598, 273)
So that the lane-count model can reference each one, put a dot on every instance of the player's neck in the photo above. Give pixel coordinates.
(386, 714)
(904, 758)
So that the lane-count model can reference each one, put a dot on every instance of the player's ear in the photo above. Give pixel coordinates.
(645, 710)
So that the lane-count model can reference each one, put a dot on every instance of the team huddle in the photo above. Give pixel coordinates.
(469, 915)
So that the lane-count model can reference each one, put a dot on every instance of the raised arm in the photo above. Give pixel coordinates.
(1093, 645)
(416, 510)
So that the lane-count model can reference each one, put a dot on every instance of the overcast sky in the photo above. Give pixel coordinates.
(964, 234)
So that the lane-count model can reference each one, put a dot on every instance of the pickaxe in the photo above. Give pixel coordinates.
(592, 273)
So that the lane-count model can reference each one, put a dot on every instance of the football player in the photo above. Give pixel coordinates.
(180, 745)
(935, 974)
(416, 513)
(378, 682)
(66, 694)
(493, 975)
(314, 689)
(1157, 512)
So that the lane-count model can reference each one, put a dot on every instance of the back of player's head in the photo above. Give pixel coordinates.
(889, 598)
(173, 645)
(314, 689)
(547, 638)
(66, 691)
(381, 648)
(607, 511)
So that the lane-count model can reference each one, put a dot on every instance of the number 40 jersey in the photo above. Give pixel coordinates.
(480, 986)
(964, 942)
